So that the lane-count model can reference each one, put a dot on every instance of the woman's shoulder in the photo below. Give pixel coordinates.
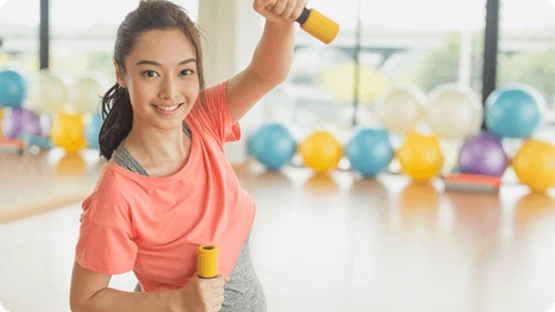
(111, 179)
(109, 202)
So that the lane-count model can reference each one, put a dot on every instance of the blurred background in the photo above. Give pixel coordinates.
(371, 140)
(426, 44)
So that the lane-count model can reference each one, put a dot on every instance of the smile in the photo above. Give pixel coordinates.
(167, 109)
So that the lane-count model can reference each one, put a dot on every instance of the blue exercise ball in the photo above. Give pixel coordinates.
(370, 152)
(92, 131)
(12, 89)
(273, 145)
(514, 112)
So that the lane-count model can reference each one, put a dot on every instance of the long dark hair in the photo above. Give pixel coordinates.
(116, 104)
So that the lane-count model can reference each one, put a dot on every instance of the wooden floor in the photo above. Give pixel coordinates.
(320, 243)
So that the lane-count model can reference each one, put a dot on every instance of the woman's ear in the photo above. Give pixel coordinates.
(119, 75)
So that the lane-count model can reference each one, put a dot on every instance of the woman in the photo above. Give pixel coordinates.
(167, 187)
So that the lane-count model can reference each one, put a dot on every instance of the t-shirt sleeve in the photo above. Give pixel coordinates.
(217, 116)
(106, 243)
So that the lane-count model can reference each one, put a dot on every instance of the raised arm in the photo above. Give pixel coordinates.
(272, 58)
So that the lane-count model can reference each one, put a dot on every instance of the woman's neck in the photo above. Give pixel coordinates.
(158, 149)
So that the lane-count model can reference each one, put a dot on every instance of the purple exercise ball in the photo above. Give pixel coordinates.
(484, 155)
(21, 121)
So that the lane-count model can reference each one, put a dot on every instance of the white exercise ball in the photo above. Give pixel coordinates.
(454, 111)
(47, 94)
(400, 108)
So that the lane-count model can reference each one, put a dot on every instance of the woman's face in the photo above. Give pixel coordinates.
(161, 77)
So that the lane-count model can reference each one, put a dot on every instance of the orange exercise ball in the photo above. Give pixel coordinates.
(421, 156)
(534, 165)
(68, 131)
(321, 151)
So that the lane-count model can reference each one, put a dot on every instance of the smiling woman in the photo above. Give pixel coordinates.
(168, 187)
(151, 79)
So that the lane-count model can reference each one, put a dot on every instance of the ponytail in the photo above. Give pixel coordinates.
(118, 120)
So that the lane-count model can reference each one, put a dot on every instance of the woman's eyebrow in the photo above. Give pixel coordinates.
(149, 62)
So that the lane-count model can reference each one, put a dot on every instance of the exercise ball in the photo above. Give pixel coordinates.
(20, 120)
(48, 94)
(13, 89)
(1, 118)
(369, 152)
(86, 95)
(70, 166)
(515, 111)
(453, 111)
(420, 157)
(92, 131)
(68, 131)
(484, 155)
(273, 145)
(338, 80)
(400, 108)
(534, 165)
(321, 151)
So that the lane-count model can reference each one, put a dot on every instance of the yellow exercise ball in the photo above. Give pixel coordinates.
(339, 82)
(68, 131)
(534, 165)
(71, 165)
(421, 156)
(321, 151)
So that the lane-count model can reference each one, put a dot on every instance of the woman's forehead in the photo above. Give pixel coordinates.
(163, 46)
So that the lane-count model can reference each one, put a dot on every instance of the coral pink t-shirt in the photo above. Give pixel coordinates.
(154, 225)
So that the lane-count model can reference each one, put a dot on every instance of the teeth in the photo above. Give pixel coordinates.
(167, 108)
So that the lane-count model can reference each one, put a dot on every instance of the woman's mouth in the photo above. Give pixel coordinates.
(167, 109)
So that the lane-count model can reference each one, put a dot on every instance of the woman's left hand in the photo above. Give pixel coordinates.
(280, 11)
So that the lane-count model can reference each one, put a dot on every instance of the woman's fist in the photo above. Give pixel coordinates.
(280, 11)
(200, 295)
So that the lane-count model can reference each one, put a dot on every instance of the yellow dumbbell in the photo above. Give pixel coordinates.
(207, 261)
(318, 25)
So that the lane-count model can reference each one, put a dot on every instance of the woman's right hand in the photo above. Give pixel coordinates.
(201, 295)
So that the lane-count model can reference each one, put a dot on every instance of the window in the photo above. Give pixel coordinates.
(83, 41)
(319, 88)
(527, 46)
(424, 43)
(19, 33)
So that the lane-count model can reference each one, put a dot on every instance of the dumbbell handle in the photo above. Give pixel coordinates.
(207, 266)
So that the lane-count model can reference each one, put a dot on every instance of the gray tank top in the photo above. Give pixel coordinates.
(243, 292)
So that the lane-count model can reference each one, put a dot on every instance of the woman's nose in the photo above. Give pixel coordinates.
(168, 89)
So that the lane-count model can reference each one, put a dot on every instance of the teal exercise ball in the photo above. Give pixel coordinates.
(514, 111)
(273, 145)
(370, 152)
(92, 131)
(12, 89)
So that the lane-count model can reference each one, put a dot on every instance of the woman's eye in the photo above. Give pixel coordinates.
(186, 72)
(149, 74)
